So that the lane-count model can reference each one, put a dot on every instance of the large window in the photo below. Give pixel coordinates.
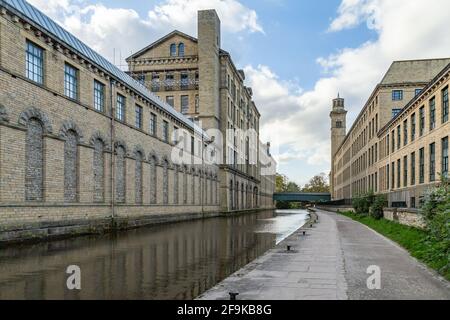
(184, 81)
(445, 157)
(139, 116)
(445, 105)
(35, 63)
(393, 142)
(413, 168)
(181, 50)
(405, 132)
(184, 104)
(170, 101)
(155, 82)
(99, 96)
(70, 81)
(422, 165)
(170, 82)
(165, 131)
(422, 121)
(405, 171)
(417, 92)
(399, 174)
(395, 112)
(173, 50)
(120, 108)
(153, 124)
(413, 127)
(432, 113)
(397, 95)
(399, 141)
(432, 162)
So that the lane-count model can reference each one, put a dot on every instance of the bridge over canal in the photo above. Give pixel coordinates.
(302, 197)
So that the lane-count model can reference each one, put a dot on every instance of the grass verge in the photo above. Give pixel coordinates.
(415, 241)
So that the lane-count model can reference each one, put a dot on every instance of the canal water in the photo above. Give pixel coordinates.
(173, 261)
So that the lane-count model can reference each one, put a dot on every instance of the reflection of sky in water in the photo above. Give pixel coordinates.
(284, 224)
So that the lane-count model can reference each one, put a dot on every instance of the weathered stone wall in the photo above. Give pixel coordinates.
(409, 217)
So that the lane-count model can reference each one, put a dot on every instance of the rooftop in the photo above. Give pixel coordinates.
(40, 21)
(414, 71)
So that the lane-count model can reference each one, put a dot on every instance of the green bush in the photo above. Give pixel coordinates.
(376, 209)
(362, 203)
(436, 214)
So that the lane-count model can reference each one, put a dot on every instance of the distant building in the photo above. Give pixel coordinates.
(199, 79)
(398, 144)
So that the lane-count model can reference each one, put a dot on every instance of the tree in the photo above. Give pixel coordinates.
(292, 187)
(280, 183)
(318, 183)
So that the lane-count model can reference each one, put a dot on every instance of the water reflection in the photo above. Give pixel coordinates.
(176, 261)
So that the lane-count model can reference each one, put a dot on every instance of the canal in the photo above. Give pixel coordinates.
(173, 261)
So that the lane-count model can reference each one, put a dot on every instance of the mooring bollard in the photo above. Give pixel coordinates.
(233, 295)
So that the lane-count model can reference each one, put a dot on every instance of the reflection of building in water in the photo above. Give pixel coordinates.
(167, 262)
(82, 142)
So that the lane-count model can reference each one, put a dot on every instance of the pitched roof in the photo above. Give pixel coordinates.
(414, 71)
(161, 40)
(39, 20)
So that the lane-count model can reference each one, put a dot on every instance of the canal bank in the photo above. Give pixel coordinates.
(56, 230)
(331, 263)
(167, 261)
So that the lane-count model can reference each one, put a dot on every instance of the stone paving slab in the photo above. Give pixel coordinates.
(330, 263)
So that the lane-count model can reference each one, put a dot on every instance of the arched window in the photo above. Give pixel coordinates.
(34, 179)
(175, 185)
(120, 174)
(99, 171)
(236, 204)
(181, 50)
(211, 189)
(165, 182)
(138, 177)
(153, 180)
(231, 195)
(193, 186)
(242, 197)
(173, 50)
(185, 191)
(71, 167)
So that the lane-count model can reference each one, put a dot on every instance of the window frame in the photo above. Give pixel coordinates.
(165, 135)
(139, 116)
(187, 105)
(120, 111)
(153, 124)
(444, 156)
(71, 81)
(30, 72)
(97, 99)
(397, 95)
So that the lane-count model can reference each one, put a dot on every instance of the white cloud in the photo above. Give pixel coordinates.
(299, 122)
(235, 17)
(105, 29)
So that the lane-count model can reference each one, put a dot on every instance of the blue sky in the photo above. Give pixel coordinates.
(297, 54)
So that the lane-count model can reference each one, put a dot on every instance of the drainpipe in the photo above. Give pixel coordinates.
(112, 83)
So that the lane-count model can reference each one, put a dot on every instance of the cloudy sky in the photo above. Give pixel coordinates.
(297, 54)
